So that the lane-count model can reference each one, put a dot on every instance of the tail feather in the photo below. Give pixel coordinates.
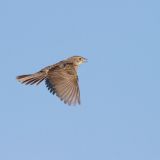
(31, 79)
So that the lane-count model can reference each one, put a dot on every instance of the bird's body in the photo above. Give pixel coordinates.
(60, 78)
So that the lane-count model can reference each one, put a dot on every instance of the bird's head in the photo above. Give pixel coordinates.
(77, 60)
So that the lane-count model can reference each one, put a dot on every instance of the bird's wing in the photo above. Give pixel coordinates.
(62, 80)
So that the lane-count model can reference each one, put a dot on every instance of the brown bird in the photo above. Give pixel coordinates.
(60, 78)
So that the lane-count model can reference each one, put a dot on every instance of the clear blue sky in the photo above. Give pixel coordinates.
(119, 118)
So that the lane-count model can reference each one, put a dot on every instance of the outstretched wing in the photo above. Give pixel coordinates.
(62, 80)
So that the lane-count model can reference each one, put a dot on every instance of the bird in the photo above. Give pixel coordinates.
(61, 79)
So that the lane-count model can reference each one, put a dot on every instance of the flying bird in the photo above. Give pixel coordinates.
(60, 79)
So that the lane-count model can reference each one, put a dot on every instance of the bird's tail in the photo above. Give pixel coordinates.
(32, 78)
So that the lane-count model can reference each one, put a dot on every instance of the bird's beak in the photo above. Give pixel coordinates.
(85, 60)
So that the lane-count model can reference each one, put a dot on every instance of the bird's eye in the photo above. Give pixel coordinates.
(80, 58)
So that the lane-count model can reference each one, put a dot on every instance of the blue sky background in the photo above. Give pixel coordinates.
(119, 118)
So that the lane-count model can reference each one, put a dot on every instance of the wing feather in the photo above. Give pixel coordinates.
(64, 82)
